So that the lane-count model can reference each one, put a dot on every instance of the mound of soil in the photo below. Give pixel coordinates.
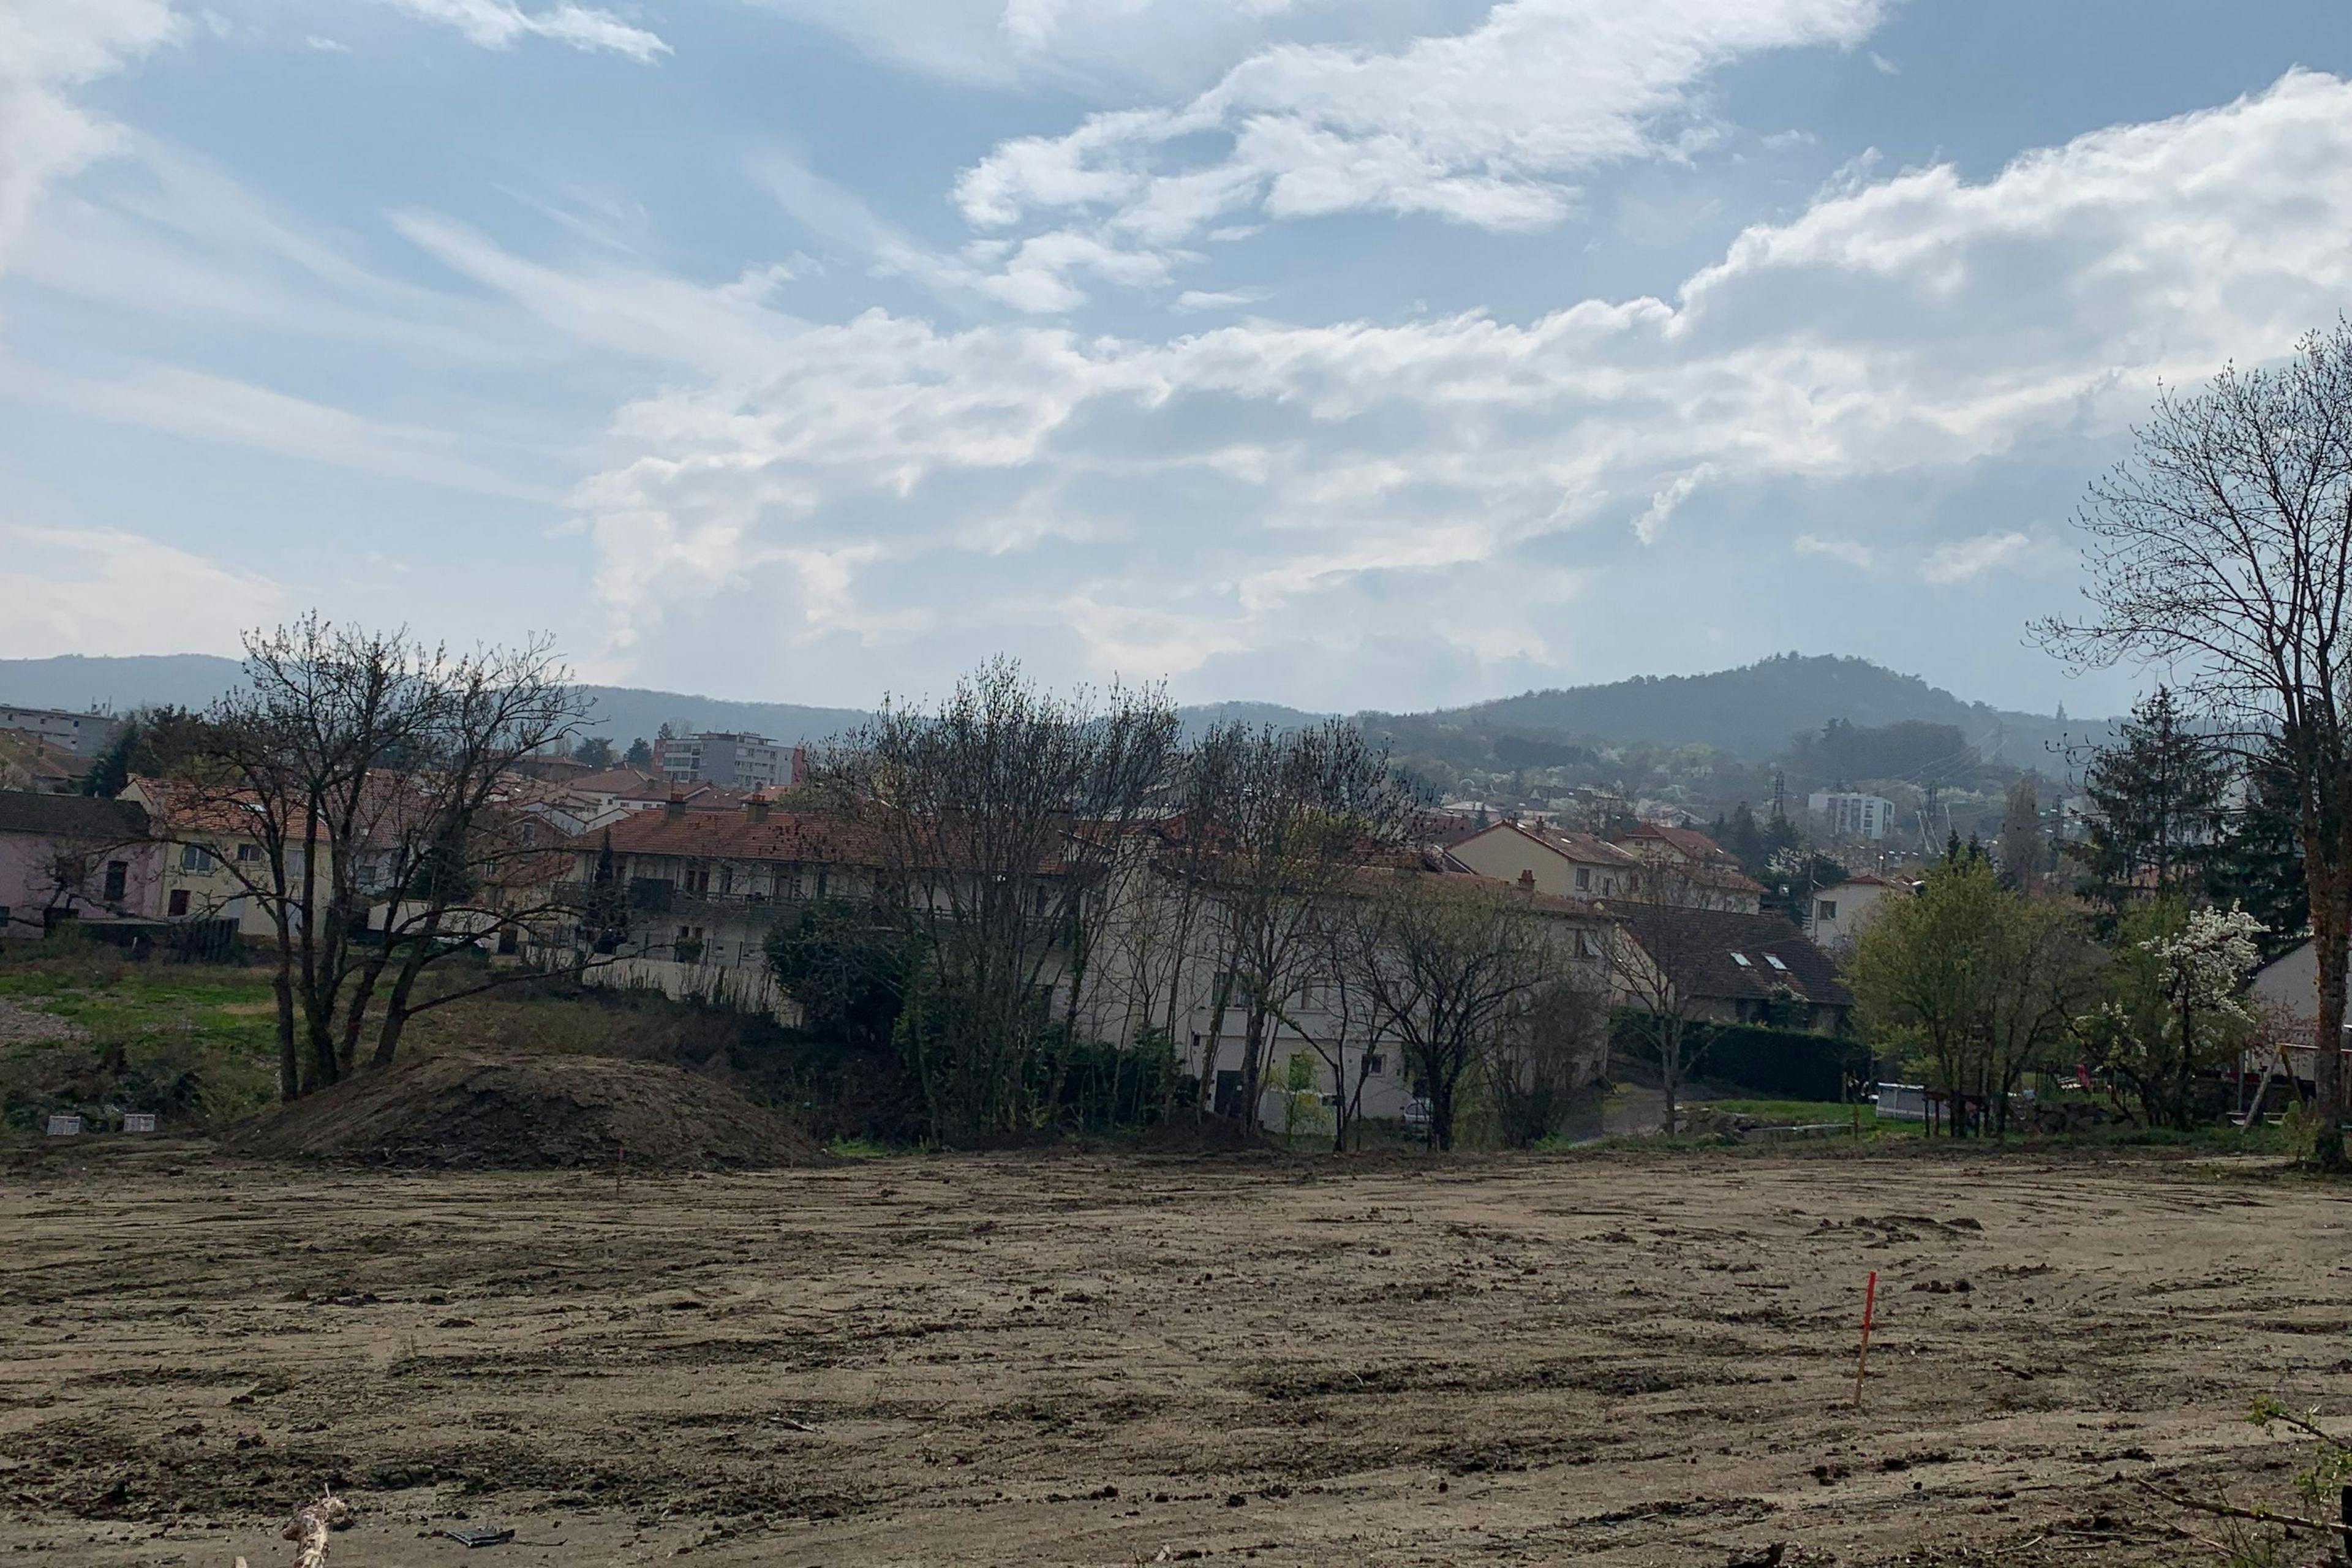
(529, 1112)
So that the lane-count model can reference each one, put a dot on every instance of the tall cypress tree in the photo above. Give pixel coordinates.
(2020, 840)
(607, 920)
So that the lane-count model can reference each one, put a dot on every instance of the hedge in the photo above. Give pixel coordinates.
(1786, 1064)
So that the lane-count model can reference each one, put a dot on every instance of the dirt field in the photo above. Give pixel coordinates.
(1093, 1361)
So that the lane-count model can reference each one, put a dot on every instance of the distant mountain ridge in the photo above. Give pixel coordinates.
(1753, 712)
(1756, 711)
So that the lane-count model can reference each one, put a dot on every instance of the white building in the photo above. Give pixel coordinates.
(729, 760)
(1837, 912)
(1848, 814)
(84, 734)
(706, 889)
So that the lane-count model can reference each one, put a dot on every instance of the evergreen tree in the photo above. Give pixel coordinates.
(2156, 808)
(639, 755)
(1744, 840)
(608, 914)
(2257, 866)
(151, 743)
(2020, 840)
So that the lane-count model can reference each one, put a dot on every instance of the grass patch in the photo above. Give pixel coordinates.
(1812, 1113)
(224, 1009)
(861, 1148)
(194, 1043)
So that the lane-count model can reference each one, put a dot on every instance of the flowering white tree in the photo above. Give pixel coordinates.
(2177, 1005)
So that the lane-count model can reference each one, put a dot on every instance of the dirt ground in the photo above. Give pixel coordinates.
(1112, 1361)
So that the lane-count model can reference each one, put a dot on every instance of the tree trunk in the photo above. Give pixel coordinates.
(1670, 1068)
(1441, 1111)
(2328, 936)
(290, 1065)
(355, 1012)
(1252, 1051)
(395, 1007)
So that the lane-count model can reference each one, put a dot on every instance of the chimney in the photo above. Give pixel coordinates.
(674, 808)
(1526, 881)
(755, 806)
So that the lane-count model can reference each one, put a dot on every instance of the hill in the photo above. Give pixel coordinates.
(193, 680)
(1756, 711)
(1752, 713)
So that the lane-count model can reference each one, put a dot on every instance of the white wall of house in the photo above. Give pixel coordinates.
(1839, 913)
(744, 988)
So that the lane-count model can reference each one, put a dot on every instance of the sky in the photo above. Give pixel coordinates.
(1345, 354)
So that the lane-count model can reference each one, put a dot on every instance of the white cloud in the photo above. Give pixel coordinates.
(1964, 560)
(1652, 520)
(1852, 552)
(501, 24)
(1297, 495)
(1218, 299)
(98, 590)
(1488, 127)
(47, 48)
(218, 409)
(1110, 49)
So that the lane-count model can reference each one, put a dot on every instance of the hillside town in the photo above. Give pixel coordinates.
(692, 875)
(1261, 784)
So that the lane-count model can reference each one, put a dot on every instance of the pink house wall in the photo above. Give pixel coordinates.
(26, 890)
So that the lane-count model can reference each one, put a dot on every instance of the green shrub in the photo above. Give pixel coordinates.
(1784, 1064)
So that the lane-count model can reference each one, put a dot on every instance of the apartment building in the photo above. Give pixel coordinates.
(729, 760)
(1847, 813)
(83, 734)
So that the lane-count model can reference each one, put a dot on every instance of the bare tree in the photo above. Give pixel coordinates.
(995, 821)
(458, 864)
(290, 769)
(1653, 958)
(1346, 1021)
(1448, 962)
(1157, 898)
(1552, 1046)
(1297, 814)
(362, 770)
(2221, 551)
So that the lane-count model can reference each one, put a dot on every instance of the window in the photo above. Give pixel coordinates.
(1741, 959)
(697, 878)
(1776, 963)
(117, 880)
(247, 853)
(1373, 1065)
(195, 858)
(179, 905)
(1583, 878)
(1585, 946)
(726, 879)
(1826, 909)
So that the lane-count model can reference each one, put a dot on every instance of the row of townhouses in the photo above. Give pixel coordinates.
(706, 876)
(705, 889)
